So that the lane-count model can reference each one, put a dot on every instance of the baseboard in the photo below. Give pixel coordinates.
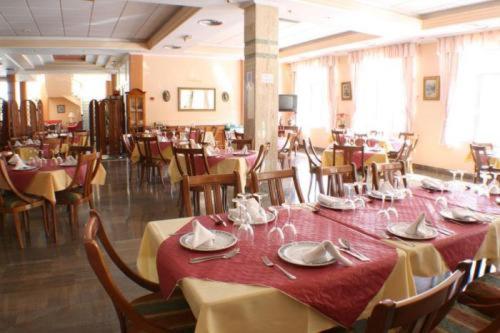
(438, 171)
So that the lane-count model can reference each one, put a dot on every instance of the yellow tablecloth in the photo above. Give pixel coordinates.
(228, 307)
(167, 153)
(426, 261)
(46, 183)
(327, 158)
(228, 165)
(26, 152)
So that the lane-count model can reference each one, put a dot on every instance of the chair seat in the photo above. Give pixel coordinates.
(463, 319)
(173, 314)
(69, 196)
(10, 200)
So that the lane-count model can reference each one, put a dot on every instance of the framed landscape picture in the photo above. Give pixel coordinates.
(61, 108)
(346, 91)
(432, 88)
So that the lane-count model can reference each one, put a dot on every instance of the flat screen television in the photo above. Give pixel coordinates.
(288, 103)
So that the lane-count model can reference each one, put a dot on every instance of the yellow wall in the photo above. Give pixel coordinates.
(69, 107)
(161, 73)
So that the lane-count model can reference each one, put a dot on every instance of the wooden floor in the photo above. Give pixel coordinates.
(51, 288)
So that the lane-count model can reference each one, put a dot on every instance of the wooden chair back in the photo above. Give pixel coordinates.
(240, 143)
(417, 313)
(406, 135)
(274, 181)
(480, 157)
(336, 177)
(348, 154)
(93, 235)
(238, 136)
(338, 136)
(79, 150)
(312, 158)
(387, 172)
(54, 144)
(80, 138)
(4, 174)
(87, 165)
(290, 142)
(190, 155)
(212, 187)
(261, 157)
(128, 143)
(144, 145)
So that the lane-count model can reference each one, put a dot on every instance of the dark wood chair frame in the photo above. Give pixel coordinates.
(314, 163)
(336, 177)
(274, 181)
(387, 172)
(150, 163)
(480, 151)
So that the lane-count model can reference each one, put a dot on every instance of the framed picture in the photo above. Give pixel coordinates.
(432, 88)
(346, 91)
(196, 99)
(61, 108)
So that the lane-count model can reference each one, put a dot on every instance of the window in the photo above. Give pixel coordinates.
(474, 99)
(380, 95)
(312, 89)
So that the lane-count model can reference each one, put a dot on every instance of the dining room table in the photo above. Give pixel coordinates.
(220, 161)
(371, 155)
(166, 150)
(244, 295)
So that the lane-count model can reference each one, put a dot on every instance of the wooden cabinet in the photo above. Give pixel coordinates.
(136, 110)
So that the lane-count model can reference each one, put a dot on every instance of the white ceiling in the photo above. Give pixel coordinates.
(81, 18)
(419, 7)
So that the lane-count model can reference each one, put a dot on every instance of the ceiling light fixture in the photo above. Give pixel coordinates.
(210, 22)
(172, 47)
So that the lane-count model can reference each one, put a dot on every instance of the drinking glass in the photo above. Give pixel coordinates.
(483, 189)
(261, 215)
(275, 235)
(289, 230)
(441, 202)
(400, 185)
(245, 232)
(359, 202)
(349, 200)
(392, 210)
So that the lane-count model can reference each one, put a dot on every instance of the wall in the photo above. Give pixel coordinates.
(69, 107)
(168, 73)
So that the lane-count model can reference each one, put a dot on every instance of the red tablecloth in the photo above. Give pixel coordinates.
(339, 292)
(464, 244)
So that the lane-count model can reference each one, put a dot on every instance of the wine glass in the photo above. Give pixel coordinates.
(441, 202)
(289, 230)
(483, 189)
(400, 185)
(261, 216)
(275, 235)
(245, 232)
(359, 202)
(349, 188)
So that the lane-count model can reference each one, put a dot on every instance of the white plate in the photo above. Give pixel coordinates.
(269, 218)
(223, 240)
(292, 253)
(242, 154)
(431, 188)
(447, 214)
(338, 206)
(26, 168)
(387, 197)
(399, 229)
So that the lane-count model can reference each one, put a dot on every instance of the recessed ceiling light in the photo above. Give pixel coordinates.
(210, 22)
(172, 47)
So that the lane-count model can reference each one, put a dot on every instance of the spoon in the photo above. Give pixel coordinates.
(347, 245)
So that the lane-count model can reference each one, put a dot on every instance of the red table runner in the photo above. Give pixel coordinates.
(340, 292)
(214, 160)
(463, 245)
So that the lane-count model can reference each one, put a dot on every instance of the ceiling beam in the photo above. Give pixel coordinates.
(102, 60)
(43, 43)
(181, 16)
(467, 14)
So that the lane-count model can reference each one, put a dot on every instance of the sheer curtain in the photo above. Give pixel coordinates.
(383, 88)
(314, 86)
(470, 68)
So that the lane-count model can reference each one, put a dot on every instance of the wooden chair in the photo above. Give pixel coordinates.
(240, 143)
(338, 136)
(336, 177)
(149, 161)
(417, 313)
(55, 146)
(274, 181)
(79, 150)
(12, 201)
(388, 172)
(128, 144)
(481, 161)
(213, 190)
(238, 136)
(80, 138)
(76, 194)
(314, 162)
(406, 135)
(285, 152)
(149, 313)
(348, 155)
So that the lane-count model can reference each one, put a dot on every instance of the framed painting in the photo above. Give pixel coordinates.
(196, 99)
(432, 88)
(346, 91)
(61, 108)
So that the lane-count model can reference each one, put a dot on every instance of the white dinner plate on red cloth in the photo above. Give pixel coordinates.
(399, 229)
(447, 214)
(292, 253)
(376, 195)
(223, 240)
(26, 168)
(269, 218)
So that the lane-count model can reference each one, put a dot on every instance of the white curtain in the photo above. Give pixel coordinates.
(383, 85)
(470, 79)
(314, 87)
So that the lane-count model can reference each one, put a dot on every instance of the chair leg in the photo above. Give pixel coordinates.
(45, 219)
(19, 234)
(143, 170)
(26, 218)
(310, 185)
(2, 222)
(91, 202)
(54, 222)
(160, 173)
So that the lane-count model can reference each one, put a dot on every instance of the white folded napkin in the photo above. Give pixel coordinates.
(71, 160)
(17, 144)
(20, 165)
(59, 159)
(201, 235)
(433, 183)
(318, 254)
(36, 142)
(330, 201)
(461, 213)
(13, 160)
(29, 142)
(417, 228)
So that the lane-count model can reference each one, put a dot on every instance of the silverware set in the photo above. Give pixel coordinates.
(392, 237)
(217, 219)
(346, 247)
(441, 230)
(226, 255)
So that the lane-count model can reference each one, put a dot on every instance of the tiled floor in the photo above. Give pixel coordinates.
(49, 287)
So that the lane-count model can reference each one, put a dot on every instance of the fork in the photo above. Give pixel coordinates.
(217, 219)
(227, 255)
(221, 220)
(269, 263)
